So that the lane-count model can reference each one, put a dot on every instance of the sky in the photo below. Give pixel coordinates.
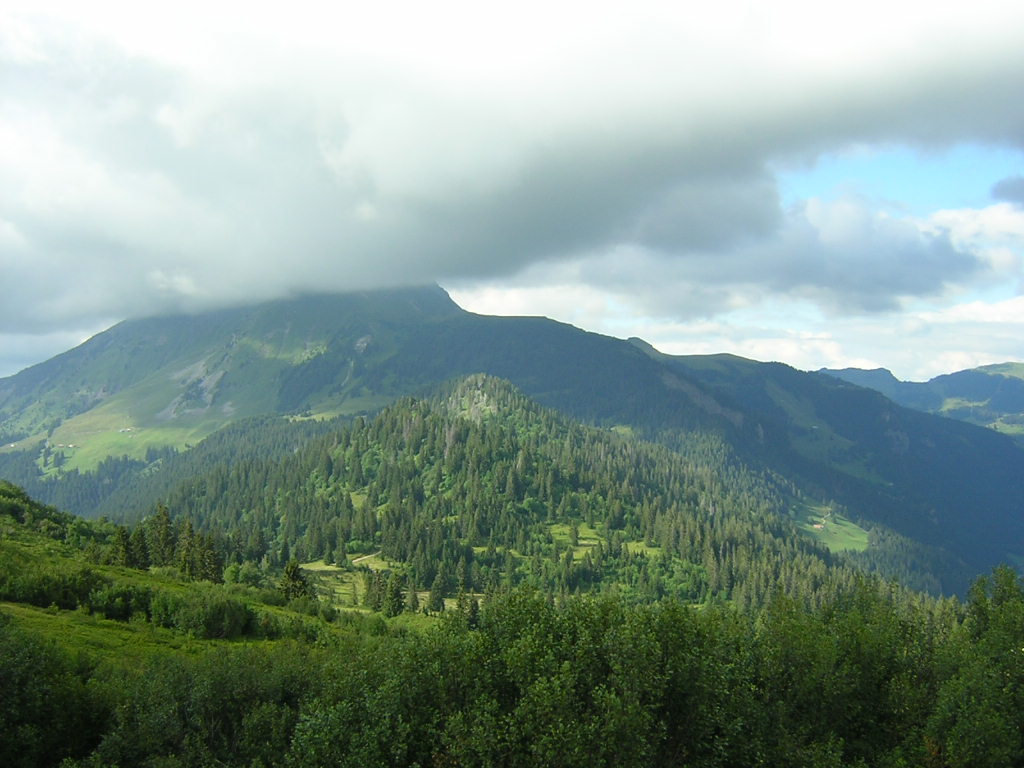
(822, 185)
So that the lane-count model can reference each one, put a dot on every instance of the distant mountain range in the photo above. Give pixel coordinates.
(990, 396)
(951, 489)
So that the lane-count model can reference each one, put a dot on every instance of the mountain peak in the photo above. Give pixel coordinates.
(864, 377)
(479, 396)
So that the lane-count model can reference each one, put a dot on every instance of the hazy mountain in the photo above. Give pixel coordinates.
(171, 381)
(174, 380)
(940, 481)
(990, 396)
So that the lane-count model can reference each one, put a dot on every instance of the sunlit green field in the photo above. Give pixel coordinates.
(830, 528)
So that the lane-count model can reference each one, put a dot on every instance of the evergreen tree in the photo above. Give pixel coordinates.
(293, 581)
(412, 600)
(435, 600)
(391, 603)
(160, 539)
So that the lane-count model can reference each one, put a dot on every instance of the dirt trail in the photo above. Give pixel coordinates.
(366, 557)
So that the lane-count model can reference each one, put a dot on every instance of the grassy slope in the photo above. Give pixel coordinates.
(124, 643)
(830, 528)
(1013, 370)
(172, 381)
(26, 550)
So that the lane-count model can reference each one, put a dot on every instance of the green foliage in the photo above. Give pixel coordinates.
(47, 709)
(229, 707)
(873, 678)
(480, 490)
(293, 581)
(644, 604)
(989, 396)
(976, 721)
(205, 611)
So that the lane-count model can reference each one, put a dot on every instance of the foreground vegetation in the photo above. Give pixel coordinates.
(527, 682)
(105, 664)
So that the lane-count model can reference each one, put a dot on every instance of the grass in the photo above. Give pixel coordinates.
(587, 537)
(642, 548)
(999, 425)
(125, 643)
(417, 622)
(830, 528)
(1014, 370)
(115, 428)
(343, 588)
(959, 408)
(958, 403)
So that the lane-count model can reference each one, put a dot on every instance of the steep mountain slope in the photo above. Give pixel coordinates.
(990, 396)
(174, 380)
(480, 488)
(145, 385)
(939, 481)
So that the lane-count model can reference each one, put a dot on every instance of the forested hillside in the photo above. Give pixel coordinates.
(942, 483)
(106, 428)
(115, 665)
(479, 488)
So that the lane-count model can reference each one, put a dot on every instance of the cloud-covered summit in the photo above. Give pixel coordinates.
(204, 156)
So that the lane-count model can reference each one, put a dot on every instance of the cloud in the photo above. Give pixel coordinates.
(151, 164)
(915, 345)
(842, 255)
(1010, 189)
(20, 350)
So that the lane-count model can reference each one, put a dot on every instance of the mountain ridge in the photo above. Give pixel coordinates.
(170, 382)
(988, 396)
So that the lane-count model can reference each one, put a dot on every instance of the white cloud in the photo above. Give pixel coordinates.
(995, 232)
(154, 158)
(1010, 311)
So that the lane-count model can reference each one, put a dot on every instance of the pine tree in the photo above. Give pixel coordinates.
(138, 552)
(435, 601)
(120, 552)
(391, 603)
(412, 600)
(160, 537)
(293, 581)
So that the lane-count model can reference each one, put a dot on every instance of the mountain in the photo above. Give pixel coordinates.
(950, 491)
(479, 487)
(990, 396)
(935, 480)
(174, 380)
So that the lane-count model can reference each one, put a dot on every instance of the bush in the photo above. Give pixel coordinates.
(43, 586)
(46, 710)
(120, 601)
(204, 613)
